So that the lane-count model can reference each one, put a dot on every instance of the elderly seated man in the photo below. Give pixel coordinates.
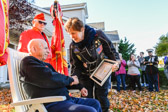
(40, 80)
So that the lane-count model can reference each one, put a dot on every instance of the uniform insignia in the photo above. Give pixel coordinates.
(79, 57)
(76, 50)
(99, 49)
(99, 42)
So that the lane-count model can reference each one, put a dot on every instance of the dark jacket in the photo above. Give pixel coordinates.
(40, 79)
(151, 65)
(88, 51)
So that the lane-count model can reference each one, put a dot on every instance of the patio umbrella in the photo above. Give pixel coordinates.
(4, 31)
(58, 43)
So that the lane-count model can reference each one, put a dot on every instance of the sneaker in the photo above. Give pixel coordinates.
(142, 85)
(147, 85)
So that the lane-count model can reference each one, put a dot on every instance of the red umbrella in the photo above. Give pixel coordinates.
(4, 31)
(58, 42)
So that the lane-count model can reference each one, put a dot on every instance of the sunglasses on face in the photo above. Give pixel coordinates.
(41, 22)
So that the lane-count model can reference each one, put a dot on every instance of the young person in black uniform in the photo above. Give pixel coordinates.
(88, 48)
(40, 80)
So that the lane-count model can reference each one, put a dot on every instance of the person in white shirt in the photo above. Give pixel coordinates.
(133, 71)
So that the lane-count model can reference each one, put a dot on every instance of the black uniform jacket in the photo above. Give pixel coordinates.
(151, 65)
(40, 79)
(91, 52)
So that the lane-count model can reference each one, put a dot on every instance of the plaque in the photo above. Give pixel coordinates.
(103, 71)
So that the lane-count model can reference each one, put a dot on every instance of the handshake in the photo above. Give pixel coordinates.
(76, 81)
(84, 91)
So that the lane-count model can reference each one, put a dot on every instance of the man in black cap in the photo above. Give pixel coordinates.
(152, 70)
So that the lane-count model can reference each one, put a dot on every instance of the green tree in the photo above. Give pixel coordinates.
(162, 46)
(126, 48)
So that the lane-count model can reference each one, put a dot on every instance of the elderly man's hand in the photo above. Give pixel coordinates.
(84, 92)
(76, 81)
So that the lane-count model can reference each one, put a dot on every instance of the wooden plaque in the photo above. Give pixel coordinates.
(103, 71)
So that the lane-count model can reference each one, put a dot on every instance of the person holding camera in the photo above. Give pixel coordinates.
(133, 71)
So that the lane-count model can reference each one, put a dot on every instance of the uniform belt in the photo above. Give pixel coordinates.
(150, 64)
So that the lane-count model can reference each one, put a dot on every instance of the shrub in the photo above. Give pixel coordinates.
(163, 81)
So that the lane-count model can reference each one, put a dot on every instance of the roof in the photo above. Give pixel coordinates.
(97, 25)
(113, 35)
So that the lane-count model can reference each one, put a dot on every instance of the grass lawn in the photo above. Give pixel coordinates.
(125, 101)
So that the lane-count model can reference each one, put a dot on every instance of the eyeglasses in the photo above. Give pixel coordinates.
(41, 22)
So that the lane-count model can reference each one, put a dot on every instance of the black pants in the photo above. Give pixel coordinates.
(135, 79)
(144, 78)
(153, 80)
(99, 92)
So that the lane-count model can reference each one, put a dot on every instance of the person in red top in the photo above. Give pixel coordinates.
(35, 33)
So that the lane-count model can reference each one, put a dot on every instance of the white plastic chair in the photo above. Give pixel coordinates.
(20, 99)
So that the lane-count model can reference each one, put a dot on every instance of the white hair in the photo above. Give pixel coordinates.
(29, 46)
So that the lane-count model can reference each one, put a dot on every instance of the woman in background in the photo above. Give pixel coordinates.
(134, 72)
(121, 73)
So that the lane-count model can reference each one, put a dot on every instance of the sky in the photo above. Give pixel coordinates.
(142, 22)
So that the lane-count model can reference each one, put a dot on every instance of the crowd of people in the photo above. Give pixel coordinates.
(142, 72)
(87, 49)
